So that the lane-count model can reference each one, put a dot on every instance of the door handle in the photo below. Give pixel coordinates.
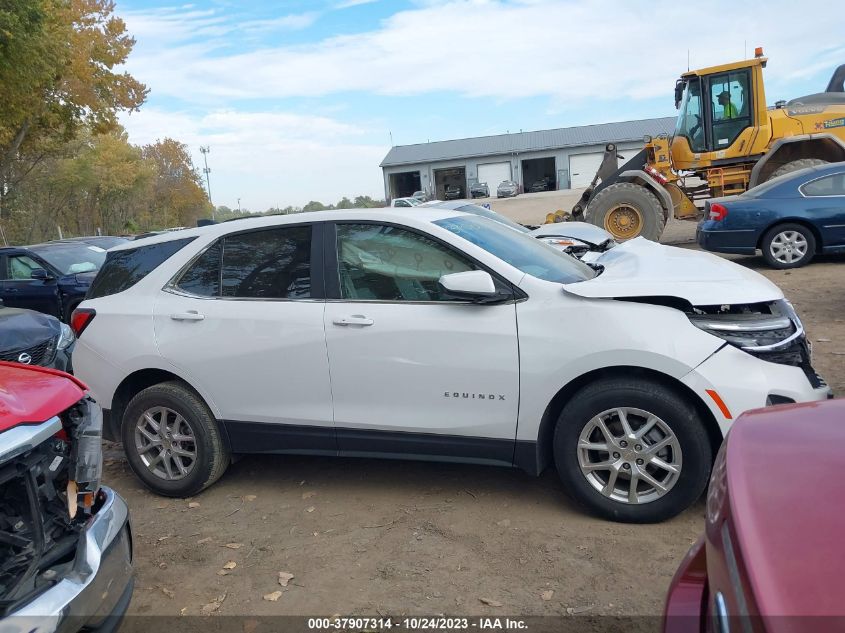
(190, 315)
(355, 319)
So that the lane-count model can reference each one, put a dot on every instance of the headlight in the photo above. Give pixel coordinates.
(753, 330)
(66, 337)
(87, 445)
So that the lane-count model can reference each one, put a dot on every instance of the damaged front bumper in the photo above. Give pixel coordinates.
(95, 593)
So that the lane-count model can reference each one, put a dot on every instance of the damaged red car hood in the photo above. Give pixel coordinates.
(641, 268)
(34, 394)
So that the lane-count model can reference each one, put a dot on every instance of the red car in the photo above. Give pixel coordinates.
(65, 541)
(772, 553)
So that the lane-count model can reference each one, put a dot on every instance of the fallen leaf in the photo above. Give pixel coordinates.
(547, 595)
(310, 509)
(211, 607)
(222, 572)
(167, 592)
(162, 565)
(308, 495)
(577, 610)
(194, 504)
(234, 545)
(272, 597)
(161, 506)
(823, 340)
(503, 523)
(285, 578)
(183, 610)
(230, 565)
(250, 498)
(491, 602)
(204, 540)
(164, 538)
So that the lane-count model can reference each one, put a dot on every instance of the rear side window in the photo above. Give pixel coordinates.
(828, 186)
(123, 269)
(265, 264)
(268, 264)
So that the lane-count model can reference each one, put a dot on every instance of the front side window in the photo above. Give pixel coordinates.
(828, 186)
(730, 109)
(21, 267)
(385, 263)
(690, 123)
(268, 264)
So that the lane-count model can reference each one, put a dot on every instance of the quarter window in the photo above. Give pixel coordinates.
(203, 277)
(268, 264)
(828, 186)
(386, 263)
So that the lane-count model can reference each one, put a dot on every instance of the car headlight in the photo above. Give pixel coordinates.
(752, 329)
(66, 337)
(87, 445)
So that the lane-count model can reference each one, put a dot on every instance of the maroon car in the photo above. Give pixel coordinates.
(772, 552)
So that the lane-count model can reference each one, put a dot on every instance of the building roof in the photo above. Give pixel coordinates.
(527, 141)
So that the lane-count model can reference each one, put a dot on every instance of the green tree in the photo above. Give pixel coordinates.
(58, 72)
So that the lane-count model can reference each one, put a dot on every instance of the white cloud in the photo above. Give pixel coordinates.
(346, 4)
(269, 158)
(583, 50)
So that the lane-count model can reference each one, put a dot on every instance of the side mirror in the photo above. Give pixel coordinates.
(40, 273)
(473, 285)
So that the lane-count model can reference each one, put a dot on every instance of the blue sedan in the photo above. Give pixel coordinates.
(790, 218)
(51, 278)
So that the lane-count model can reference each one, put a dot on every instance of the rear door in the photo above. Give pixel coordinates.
(824, 201)
(244, 321)
(413, 371)
(19, 290)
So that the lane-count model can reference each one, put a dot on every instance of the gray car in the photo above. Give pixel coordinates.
(34, 338)
(507, 189)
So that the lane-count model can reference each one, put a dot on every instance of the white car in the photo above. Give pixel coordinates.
(405, 202)
(434, 335)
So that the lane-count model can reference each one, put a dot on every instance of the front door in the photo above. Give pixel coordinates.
(19, 290)
(248, 313)
(414, 372)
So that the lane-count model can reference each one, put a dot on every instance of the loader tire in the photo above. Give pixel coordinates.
(627, 210)
(795, 165)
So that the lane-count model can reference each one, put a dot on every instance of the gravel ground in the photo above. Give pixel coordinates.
(385, 537)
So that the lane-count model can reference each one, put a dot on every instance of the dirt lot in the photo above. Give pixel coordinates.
(383, 537)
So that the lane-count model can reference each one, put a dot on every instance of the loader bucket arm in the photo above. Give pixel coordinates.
(607, 174)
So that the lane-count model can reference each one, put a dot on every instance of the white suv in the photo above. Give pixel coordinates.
(437, 335)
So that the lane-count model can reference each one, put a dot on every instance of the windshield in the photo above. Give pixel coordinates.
(487, 213)
(689, 123)
(525, 253)
(70, 259)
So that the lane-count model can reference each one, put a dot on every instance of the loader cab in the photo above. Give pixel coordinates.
(717, 110)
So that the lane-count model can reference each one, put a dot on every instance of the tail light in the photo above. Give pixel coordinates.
(718, 212)
(81, 318)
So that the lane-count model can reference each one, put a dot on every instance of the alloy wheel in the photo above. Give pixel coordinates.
(165, 443)
(788, 247)
(629, 455)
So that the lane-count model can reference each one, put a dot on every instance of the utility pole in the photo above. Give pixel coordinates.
(239, 206)
(205, 150)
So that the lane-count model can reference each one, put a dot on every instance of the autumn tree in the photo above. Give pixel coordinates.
(178, 195)
(58, 72)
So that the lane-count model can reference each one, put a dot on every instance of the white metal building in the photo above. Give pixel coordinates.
(566, 158)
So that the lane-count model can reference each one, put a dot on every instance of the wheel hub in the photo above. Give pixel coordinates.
(623, 222)
(165, 443)
(629, 455)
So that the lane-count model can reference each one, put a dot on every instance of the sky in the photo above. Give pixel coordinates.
(300, 100)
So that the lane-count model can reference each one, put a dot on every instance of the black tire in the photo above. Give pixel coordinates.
(795, 165)
(212, 456)
(788, 228)
(631, 195)
(676, 413)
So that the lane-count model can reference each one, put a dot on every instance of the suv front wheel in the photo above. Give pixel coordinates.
(172, 441)
(632, 450)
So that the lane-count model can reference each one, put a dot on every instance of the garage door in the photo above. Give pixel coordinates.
(493, 174)
(582, 168)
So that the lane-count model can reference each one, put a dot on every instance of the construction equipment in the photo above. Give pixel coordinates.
(726, 141)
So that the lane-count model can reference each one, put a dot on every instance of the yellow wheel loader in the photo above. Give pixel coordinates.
(726, 141)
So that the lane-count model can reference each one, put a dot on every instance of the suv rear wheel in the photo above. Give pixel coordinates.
(632, 450)
(172, 440)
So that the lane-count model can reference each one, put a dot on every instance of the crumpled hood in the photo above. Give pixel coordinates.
(30, 394)
(641, 268)
(583, 231)
(21, 329)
